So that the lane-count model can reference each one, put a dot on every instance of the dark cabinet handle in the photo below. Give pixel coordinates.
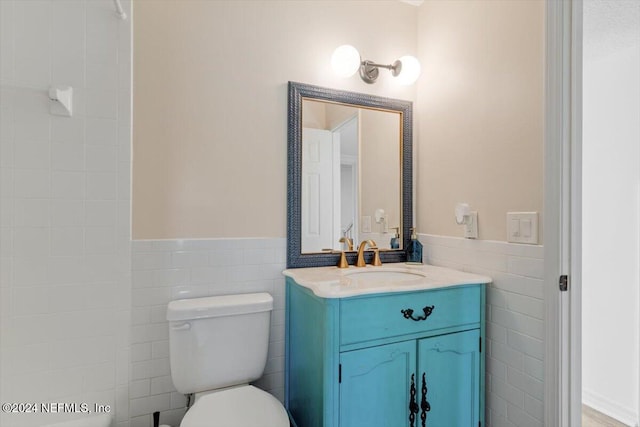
(424, 404)
(408, 313)
(413, 404)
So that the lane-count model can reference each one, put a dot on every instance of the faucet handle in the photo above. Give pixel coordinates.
(348, 241)
(376, 257)
(342, 262)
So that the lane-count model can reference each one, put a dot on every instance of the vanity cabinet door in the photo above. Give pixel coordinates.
(375, 386)
(448, 382)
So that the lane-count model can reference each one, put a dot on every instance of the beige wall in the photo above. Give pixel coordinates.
(210, 103)
(479, 112)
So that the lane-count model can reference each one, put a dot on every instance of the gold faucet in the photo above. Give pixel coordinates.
(348, 241)
(376, 254)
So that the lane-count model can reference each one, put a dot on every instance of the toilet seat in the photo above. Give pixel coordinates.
(245, 406)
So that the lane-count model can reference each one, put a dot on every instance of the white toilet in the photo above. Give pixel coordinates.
(217, 346)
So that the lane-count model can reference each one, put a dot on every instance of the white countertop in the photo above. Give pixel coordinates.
(334, 282)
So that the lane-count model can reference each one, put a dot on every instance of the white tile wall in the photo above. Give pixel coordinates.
(164, 270)
(65, 251)
(515, 329)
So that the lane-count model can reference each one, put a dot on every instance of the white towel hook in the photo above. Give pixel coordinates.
(61, 100)
(119, 9)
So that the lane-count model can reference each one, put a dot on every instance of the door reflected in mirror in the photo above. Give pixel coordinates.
(351, 176)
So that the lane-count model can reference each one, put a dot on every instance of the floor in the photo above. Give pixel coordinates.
(593, 418)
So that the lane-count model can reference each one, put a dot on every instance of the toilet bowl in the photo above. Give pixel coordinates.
(218, 345)
(243, 406)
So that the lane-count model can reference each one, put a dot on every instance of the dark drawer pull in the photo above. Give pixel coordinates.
(408, 313)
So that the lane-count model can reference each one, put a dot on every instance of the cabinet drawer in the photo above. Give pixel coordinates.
(381, 316)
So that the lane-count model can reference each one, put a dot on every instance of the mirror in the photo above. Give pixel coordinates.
(349, 174)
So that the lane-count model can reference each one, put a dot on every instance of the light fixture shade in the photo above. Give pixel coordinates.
(345, 60)
(410, 70)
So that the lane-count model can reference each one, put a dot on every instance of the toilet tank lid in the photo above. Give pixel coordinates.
(223, 305)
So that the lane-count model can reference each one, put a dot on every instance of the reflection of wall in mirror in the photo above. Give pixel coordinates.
(337, 115)
(314, 115)
(380, 172)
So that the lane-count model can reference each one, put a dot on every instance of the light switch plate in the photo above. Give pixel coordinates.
(522, 227)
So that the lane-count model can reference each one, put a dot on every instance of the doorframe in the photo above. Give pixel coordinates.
(575, 296)
(563, 211)
(353, 162)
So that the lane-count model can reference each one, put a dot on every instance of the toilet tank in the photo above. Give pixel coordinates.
(219, 341)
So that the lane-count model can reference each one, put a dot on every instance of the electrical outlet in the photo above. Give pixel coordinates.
(366, 224)
(471, 226)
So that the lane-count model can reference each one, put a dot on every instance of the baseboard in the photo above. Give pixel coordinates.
(609, 408)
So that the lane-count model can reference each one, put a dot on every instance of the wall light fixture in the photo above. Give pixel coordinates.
(346, 60)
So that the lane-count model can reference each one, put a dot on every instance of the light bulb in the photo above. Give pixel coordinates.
(345, 60)
(410, 70)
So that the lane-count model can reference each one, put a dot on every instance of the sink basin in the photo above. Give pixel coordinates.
(385, 275)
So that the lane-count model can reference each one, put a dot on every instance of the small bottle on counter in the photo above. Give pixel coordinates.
(395, 240)
(414, 251)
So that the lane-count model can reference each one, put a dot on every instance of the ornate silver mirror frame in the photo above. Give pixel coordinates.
(300, 91)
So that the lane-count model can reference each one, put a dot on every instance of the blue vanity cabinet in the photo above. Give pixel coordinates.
(367, 377)
(385, 360)
(449, 373)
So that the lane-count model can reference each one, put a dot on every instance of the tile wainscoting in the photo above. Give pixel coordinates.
(515, 325)
(164, 270)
